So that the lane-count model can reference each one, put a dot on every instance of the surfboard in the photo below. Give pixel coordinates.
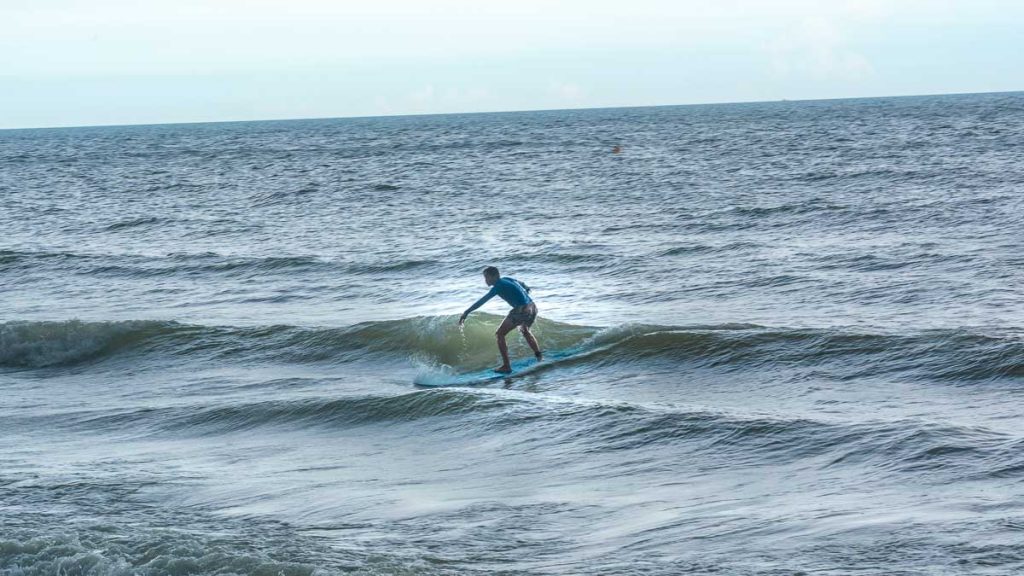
(439, 379)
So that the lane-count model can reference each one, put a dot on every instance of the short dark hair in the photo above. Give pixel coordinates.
(491, 271)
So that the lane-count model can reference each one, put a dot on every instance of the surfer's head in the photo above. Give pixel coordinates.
(491, 275)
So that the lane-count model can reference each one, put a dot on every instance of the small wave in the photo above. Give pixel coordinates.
(882, 263)
(602, 426)
(438, 340)
(17, 257)
(949, 355)
(9, 257)
(708, 249)
(43, 344)
(898, 446)
(132, 223)
(559, 258)
(172, 552)
(430, 339)
(889, 175)
(285, 196)
(262, 264)
(306, 413)
(813, 205)
(936, 354)
(294, 263)
(191, 265)
(137, 267)
(394, 266)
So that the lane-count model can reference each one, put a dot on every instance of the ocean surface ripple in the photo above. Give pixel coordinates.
(797, 335)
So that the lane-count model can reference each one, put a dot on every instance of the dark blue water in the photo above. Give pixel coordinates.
(800, 326)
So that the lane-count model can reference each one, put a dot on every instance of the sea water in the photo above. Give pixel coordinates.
(801, 322)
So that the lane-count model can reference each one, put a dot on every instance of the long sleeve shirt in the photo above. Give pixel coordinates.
(509, 289)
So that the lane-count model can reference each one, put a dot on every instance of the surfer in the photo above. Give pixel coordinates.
(522, 315)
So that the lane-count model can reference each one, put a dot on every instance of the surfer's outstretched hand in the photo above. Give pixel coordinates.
(462, 320)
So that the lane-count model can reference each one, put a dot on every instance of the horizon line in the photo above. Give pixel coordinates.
(520, 111)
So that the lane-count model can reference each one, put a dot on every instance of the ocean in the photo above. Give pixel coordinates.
(798, 326)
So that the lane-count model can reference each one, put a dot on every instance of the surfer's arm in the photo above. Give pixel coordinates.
(483, 299)
(523, 284)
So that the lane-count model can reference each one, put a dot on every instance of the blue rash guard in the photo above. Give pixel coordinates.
(511, 290)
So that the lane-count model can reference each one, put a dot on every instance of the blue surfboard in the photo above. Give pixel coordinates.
(441, 378)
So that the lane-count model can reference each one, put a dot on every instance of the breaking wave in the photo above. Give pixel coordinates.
(949, 355)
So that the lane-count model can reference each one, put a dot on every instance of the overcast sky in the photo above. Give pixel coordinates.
(80, 62)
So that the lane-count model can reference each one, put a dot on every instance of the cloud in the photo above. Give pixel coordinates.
(816, 46)
(422, 95)
(68, 62)
(566, 91)
(429, 98)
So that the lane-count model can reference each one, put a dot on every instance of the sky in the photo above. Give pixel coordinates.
(78, 62)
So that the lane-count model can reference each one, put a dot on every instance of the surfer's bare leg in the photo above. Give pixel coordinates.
(501, 332)
(525, 330)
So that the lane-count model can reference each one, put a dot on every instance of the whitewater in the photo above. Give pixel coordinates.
(797, 327)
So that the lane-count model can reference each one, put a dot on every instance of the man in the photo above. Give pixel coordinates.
(523, 313)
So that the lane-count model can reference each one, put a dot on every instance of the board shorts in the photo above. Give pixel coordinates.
(523, 315)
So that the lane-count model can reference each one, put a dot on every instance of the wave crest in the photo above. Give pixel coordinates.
(951, 355)
(42, 344)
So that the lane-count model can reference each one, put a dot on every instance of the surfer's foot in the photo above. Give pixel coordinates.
(539, 356)
(505, 369)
